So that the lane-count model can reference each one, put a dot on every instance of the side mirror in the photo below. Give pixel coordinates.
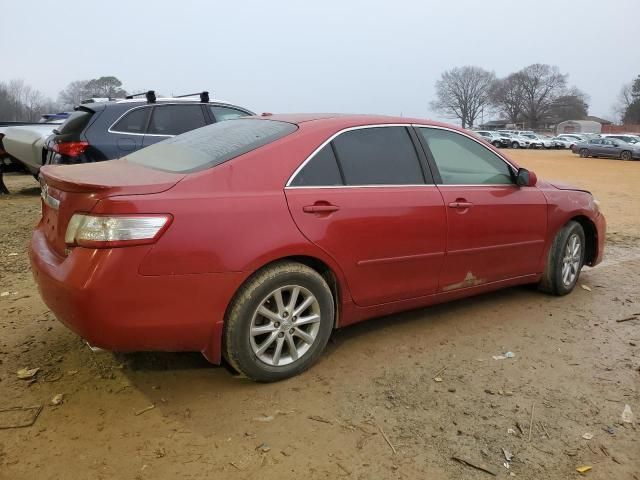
(525, 178)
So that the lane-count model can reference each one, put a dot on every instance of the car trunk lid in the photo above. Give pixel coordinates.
(69, 189)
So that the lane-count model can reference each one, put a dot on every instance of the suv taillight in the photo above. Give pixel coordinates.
(108, 231)
(70, 149)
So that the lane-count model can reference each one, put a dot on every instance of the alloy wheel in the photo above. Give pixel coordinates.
(285, 325)
(571, 260)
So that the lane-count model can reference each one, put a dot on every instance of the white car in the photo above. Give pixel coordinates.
(625, 137)
(573, 137)
(563, 142)
(518, 141)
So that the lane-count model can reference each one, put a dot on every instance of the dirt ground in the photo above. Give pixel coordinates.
(371, 408)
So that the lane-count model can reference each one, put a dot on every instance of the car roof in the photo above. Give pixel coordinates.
(341, 120)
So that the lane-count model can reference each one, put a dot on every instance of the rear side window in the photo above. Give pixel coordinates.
(321, 170)
(212, 145)
(463, 161)
(135, 121)
(378, 156)
(226, 113)
(76, 122)
(176, 119)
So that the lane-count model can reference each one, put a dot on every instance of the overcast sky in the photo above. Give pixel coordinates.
(317, 56)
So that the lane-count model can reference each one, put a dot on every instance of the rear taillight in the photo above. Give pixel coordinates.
(108, 231)
(70, 149)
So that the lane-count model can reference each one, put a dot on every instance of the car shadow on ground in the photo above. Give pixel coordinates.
(194, 366)
(29, 192)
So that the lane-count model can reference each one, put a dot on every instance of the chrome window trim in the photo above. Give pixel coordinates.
(147, 105)
(110, 129)
(408, 185)
(329, 140)
(380, 125)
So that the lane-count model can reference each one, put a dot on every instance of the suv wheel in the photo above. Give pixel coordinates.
(515, 145)
(496, 143)
(584, 153)
(279, 322)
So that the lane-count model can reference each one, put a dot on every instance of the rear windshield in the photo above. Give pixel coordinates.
(75, 123)
(212, 145)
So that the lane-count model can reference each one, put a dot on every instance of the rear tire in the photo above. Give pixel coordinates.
(269, 334)
(565, 260)
(625, 155)
(515, 145)
(584, 153)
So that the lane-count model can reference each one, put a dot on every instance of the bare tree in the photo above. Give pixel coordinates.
(73, 94)
(463, 93)
(541, 84)
(507, 97)
(33, 102)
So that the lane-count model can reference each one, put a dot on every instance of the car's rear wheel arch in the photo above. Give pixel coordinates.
(314, 263)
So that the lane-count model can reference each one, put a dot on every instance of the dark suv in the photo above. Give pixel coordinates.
(108, 130)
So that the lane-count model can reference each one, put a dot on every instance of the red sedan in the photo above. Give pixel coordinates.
(252, 239)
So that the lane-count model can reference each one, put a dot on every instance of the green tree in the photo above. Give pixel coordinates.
(104, 87)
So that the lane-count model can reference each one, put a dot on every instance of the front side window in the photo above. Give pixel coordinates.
(221, 113)
(463, 161)
(321, 171)
(378, 156)
(134, 121)
(176, 119)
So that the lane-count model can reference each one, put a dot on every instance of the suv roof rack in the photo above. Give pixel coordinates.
(204, 96)
(150, 96)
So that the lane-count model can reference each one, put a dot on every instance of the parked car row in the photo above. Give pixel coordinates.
(621, 145)
(521, 139)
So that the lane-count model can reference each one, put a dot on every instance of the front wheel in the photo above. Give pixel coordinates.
(565, 260)
(584, 153)
(515, 145)
(279, 322)
(496, 144)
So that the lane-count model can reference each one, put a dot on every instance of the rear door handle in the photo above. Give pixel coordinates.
(320, 208)
(460, 205)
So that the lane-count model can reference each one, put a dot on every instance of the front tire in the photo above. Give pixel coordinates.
(565, 260)
(496, 144)
(515, 145)
(584, 153)
(279, 322)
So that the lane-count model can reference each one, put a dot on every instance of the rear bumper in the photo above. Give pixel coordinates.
(100, 295)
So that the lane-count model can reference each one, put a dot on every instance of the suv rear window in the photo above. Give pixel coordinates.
(211, 145)
(75, 123)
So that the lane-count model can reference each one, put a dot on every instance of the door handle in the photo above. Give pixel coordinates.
(461, 205)
(323, 208)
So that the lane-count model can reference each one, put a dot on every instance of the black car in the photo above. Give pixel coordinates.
(107, 130)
